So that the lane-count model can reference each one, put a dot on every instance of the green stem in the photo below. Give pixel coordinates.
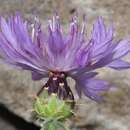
(60, 125)
(47, 124)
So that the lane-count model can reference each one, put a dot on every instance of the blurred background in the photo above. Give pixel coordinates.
(17, 88)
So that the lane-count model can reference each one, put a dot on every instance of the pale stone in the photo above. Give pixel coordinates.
(17, 90)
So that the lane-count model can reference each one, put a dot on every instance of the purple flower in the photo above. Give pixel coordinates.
(57, 55)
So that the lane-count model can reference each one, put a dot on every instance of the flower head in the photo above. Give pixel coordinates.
(51, 107)
(52, 112)
(57, 55)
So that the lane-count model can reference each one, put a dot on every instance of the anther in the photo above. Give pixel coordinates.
(62, 75)
(61, 84)
(50, 74)
(46, 88)
(53, 94)
(54, 78)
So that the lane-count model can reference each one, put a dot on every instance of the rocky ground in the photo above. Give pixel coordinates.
(5, 126)
(11, 121)
(17, 88)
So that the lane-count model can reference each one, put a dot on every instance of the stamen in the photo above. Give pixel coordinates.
(53, 94)
(62, 75)
(54, 78)
(50, 24)
(53, 23)
(57, 85)
(50, 74)
(46, 88)
(61, 84)
(33, 31)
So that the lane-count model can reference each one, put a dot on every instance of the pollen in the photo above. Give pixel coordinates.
(46, 88)
(54, 78)
(50, 74)
(61, 84)
(62, 75)
(53, 94)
